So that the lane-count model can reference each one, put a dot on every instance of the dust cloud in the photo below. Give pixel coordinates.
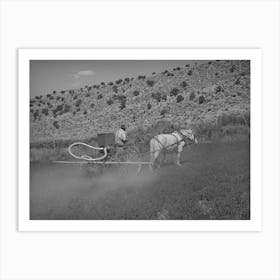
(56, 189)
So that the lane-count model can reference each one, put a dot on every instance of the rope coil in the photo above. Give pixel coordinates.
(87, 157)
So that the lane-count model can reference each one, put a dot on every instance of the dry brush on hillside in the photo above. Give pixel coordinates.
(200, 96)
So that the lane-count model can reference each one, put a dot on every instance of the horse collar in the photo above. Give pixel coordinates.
(180, 134)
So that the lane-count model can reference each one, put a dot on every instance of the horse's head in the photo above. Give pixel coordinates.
(188, 133)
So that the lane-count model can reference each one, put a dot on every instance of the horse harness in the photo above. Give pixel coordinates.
(177, 141)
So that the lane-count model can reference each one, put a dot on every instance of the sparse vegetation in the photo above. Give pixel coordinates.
(153, 97)
(122, 100)
(201, 99)
(218, 89)
(156, 96)
(136, 92)
(192, 96)
(141, 77)
(78, 103)
(183, 84)
(115, 89)
(150, 83)
(163, 112)
(232, 68)
(55, 124)
(180, 98)
(174, 92)
(237, 82)
(110, 102)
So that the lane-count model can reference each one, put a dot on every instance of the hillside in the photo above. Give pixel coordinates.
(188, 96)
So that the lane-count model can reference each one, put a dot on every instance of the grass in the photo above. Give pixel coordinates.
(228, 128)
(213, 183)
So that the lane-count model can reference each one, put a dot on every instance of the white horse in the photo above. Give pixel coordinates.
(170, 142)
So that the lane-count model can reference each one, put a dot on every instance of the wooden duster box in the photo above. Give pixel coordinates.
(105, 139)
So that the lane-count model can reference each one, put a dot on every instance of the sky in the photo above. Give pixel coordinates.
(49, 75)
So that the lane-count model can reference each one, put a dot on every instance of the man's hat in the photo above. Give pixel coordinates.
(123, 127)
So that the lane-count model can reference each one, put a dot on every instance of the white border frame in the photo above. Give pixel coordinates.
(24, 57)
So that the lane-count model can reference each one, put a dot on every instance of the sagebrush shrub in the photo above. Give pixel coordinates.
(156, 96)
(122, 104)
(174, 92)
(110, 101)
(237, 82)
(163, 112)
(78, 103)
(150, 83)
(180, 98)
(67, 108)
(218, 89)
(115, 89)
(36, 115)
(55, 124)
(201, 99)
(232, 68)
(45, 111)
(192, 96)
(183, 84)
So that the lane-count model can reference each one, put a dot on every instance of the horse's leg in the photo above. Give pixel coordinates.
(164, 156)
(156, 160)
(180, 149)
(139, 167)
(152, 157)
(178, 158)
